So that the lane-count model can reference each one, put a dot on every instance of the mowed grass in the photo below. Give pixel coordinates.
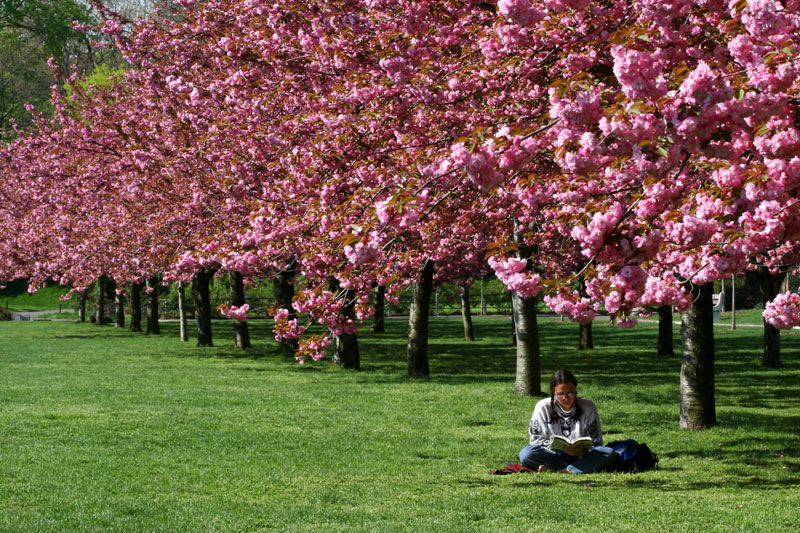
(105, 430)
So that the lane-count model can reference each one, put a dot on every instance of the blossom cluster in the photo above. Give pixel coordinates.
(516, 276)
(235, 313)
(783, 311)
(571, 304)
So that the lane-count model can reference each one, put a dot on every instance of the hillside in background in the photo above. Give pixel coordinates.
(17, 298)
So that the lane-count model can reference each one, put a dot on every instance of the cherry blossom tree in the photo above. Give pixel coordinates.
(648, 148)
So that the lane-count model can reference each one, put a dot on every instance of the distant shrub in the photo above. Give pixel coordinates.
(5, 314)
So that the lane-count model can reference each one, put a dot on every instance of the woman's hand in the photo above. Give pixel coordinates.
(574, 451)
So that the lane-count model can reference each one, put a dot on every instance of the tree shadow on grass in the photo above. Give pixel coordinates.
(660, 479)
(621, 358)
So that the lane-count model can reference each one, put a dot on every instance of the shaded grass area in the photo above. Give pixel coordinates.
(108, 430)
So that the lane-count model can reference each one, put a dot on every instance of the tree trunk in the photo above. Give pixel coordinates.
(529, 374)
(665, 344)
(202, 306)
(417, 348)
(483, 298)
(379, 325)
(184, 326)
(152, 307)
(283, 291)
(698, 409)
(82, 306)
(345, 345)
(585, 341)
(770, 287)
(136, 306)
(240, 329)
(466, 315)
(100, 311)
(119, 301)
(513, 321)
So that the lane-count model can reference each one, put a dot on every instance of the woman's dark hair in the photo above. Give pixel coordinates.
(562, 376)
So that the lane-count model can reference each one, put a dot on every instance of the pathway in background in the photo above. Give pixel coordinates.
(30, 315)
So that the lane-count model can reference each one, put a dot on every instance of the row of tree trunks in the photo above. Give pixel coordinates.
(697, 382)
(201, 296)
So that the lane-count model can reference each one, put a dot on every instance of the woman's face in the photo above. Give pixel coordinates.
(565, 395)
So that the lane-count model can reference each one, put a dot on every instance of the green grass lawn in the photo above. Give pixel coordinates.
(104, 430)
(744, 316)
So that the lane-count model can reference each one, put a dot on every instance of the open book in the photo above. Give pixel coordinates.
(557, 443)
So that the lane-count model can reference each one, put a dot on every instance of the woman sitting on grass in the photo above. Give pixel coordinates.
(564, 414)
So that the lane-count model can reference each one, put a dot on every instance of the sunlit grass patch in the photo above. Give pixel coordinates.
(109, 430)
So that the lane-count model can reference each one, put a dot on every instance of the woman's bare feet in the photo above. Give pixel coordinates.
(545, 468)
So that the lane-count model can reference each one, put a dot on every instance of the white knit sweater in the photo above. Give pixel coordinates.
(545, 423)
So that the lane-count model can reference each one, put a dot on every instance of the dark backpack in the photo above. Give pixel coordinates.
(632, 456)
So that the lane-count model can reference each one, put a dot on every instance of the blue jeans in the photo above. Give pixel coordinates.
(594, 460)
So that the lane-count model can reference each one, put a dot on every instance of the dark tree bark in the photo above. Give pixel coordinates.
(119, 315)
(529, 373)
(240, 329)
(100, 311)
(466, 315)
(82, 305)
(345, 345)
(585, 340)
(202, 306)
(698, 410)
(184, 326)
(152, 307)
(136, 306)
(770, 287)
(283, 290)
(665, 344)
(417, 348)
(379, 326)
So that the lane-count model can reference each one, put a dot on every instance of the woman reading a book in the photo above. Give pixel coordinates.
(565, 434)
